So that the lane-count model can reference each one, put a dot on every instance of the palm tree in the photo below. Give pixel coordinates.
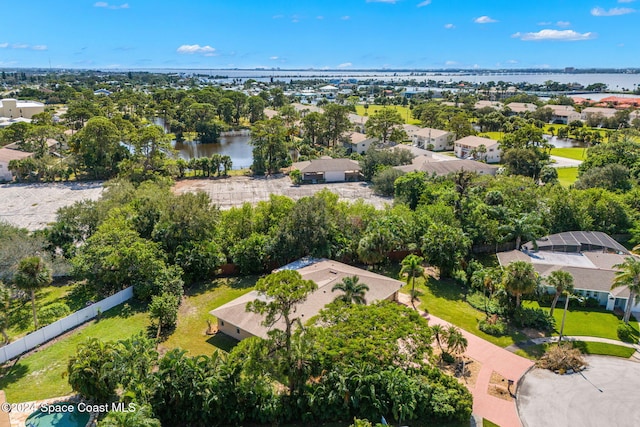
(525, 226)
(456, 342)
(32, 274)
(629, 276)
(439, 333)
(411, 266)
(561, 281)
(353, 290)
(5, 297)
(519, 279)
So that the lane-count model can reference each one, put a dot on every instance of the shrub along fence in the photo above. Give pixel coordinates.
(61, 326)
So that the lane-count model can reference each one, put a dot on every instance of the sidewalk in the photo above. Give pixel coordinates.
(4, 415)
(492, 358)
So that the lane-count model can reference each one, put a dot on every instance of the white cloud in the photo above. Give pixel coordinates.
(345, 64)
(424, 3)
(556, 35)
(346, 18)
(105, 5)
(273, 58)
(20, 46)
(615, 11)
(39, 47)
(450, 63)
(191, 49)
(449, 26)
(563, 24)
(4, 45)
(278, 16)
(512, 61)
(320, 17)
(484, 20)
(545, 23)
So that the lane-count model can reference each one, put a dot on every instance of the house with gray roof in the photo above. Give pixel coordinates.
(234, 320)
(327, 169)
(590, 257)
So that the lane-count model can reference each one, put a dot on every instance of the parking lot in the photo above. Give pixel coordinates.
(33, 206)
(234, 191)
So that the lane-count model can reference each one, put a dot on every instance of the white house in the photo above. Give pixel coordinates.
(433, 139)
(588, 256)
(601, 111)
(356, 142)
(13, 108)
(469, 145)
(521, 107)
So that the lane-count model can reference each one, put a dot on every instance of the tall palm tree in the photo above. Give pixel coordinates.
(139, 418)
(526, 226)
(354, 291)
(5, 297)
(456, 342)
(519, 279)
(411, 266)
(562, 281)
(629, 276)
(32, 274)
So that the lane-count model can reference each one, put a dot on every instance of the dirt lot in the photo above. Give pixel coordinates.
(234, 191)
(33, 206)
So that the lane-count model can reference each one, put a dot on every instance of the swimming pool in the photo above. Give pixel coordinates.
(58, 419)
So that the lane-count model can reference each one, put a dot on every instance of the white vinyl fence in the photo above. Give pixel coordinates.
(59, 327)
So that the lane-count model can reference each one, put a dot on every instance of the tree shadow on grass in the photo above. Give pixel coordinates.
(447, 289)
(235, 282)
(12, 372)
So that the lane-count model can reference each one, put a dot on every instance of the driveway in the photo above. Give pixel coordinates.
(563, 162)
(604, 394)
(234, 191)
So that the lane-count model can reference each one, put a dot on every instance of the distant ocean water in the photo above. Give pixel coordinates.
(615, 81)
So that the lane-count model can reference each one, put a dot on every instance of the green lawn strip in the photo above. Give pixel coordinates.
(589, 322)
(405, 112)
(40, 375)
(493, 135)
(587, 347)
(487, 423)
(445, 299)
(567, 176)
(190, 333)
(570, 153)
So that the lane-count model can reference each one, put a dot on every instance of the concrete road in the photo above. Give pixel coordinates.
(563, 162)
(33, 206)
(234, 191)
(605, 394)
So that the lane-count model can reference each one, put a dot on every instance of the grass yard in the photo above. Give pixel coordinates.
(405, 112)
(570, 153)
(445, 299)
(41, 374)
(487, 423)
(21, 314)
(594, 348)
(493, 135)
(190, 334)
(567, 176)
(590, 322)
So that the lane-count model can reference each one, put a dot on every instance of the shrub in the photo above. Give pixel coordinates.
(296, 176)
(53, 312)
(477, 300)
(627, 334)
(496, 328)
(447, 357)
(562, 357)
(533, 318)
(591, 303)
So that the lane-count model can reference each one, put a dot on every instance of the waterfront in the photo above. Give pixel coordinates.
(237, 147)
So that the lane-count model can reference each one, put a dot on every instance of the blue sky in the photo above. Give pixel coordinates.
(349, 34)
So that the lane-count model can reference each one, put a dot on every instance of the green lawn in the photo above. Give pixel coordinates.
(445, 299)
(493, 135)
(592, 322)
(21, 314)
(570, 153)
(190, 334)
(487, 423)
(40, 375)
(604, 349)
(567, 176)
(405, 112)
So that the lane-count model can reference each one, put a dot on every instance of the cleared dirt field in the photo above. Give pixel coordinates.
(234, 191)
(33, 206)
